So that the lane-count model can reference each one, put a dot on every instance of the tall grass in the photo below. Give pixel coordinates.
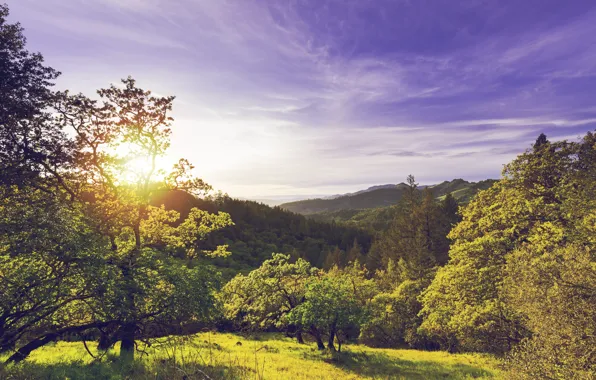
(229, 356)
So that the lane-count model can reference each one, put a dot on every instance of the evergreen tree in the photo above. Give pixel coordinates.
(450, 209)
(540, 141)
(354, 254)
(412, 249)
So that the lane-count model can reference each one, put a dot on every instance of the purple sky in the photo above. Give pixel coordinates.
(279, 98)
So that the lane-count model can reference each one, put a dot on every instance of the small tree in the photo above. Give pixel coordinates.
(394, 318)
(261, 299)
(335, 303)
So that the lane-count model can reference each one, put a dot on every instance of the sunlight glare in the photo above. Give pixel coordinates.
(136, 167)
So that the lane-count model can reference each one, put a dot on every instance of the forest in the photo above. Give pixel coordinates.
(118, 258)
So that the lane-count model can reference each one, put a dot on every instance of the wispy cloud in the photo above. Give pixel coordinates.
(326, 96)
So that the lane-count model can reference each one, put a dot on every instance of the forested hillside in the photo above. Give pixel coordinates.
(384, 196)
(260, 230)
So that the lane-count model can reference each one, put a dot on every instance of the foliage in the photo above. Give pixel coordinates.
(520, 254)
(29, 144)
(334, 303)
(260, 230)
(45, 268)
(394, 318)
(262, 299)
(557, 293)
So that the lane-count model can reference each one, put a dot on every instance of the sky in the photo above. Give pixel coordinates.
(293, 98)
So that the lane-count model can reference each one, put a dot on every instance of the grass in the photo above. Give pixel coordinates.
(265, 356)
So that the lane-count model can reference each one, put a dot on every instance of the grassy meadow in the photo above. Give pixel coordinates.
(265, 356)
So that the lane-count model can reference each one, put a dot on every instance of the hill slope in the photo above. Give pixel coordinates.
(385, 195)
(260, 230)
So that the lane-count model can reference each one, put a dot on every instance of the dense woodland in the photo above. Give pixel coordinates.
(260, 230)
(92, 250)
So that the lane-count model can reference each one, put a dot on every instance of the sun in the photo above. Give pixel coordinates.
(134, 167)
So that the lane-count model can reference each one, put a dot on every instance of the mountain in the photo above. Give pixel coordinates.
(372, 188)
(385, 195)
(274, 200)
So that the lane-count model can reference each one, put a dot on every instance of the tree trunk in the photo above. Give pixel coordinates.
(128, 329)
(452, 345)
(299, 337)
(127, 344)
(330, 344)
(315, 333)
(320, 344)
(24, 351)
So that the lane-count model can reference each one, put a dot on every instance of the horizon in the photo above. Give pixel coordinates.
(278, 200)
(326, 97)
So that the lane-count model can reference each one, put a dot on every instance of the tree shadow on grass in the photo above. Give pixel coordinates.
(159, 370)
(380, 365)
(265, 337)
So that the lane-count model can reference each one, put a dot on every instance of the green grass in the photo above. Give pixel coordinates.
(266, 356)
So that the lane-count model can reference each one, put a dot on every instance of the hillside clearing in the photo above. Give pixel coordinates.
(266, 356)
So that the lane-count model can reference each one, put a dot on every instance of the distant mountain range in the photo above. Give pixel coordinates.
(385, 195)
(276, 200)
(377, 187)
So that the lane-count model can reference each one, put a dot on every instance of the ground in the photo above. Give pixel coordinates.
(266, 356)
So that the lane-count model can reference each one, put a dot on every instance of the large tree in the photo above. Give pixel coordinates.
(412, 249)
(80, 181)
(551, 280)
(466, 306)
(149, 276)
(119, 140)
